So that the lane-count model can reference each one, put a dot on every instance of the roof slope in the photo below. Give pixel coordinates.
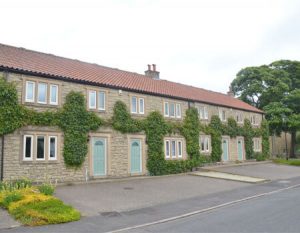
(24, 60)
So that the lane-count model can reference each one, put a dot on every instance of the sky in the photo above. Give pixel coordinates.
(203, 43)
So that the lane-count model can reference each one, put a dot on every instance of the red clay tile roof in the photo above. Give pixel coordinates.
(23, 60)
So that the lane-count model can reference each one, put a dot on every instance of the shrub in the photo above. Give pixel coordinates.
(259, 157)
(46, 189)
(51, 211)
(11, 197)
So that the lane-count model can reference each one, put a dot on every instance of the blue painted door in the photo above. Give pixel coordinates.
(99, 157)
(225, 156)
(135, 156)
(240, 149)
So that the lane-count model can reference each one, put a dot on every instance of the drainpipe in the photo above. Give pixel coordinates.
(2, 159)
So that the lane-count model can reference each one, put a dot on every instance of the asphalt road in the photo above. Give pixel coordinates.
(279, 212)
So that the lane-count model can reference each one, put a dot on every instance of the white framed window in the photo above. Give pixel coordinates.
(30, 91)
(101, 100)
(203, 113)
(256, 144)
(173, 149)
(166, 109)
(179, 150)
(239, 117)
(52, 147)
(178, 110)
(133, 104)
(92, 99)
(167, 149)
(222, 115)
(40, 147)
(253, 120)
(53, 96)
(42, 93)
(141, 106)
(204, 143)
(172, 110)
(27, 147)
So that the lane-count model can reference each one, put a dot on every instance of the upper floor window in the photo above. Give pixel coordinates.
(137, 105)
(204, 143)
(42, 91)
(256, 144)
(239, 117)
(253, 120)
(222, 114)
(173, 148)
(96, 100)
(172, 110)
(203, 113)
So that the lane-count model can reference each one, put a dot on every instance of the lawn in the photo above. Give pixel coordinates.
(293, 162)
(34, 206)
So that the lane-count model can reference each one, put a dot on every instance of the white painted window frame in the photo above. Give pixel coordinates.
(179, 148)
(95, 99)
(50, 94)
(36, 144)
(175, 149)
(136, 105)
(166, 107)
(206, 143)
(38, 93)
(33, 92)
(174, 110)
(167, 149)
(24, 147)
(178, 110)
(49, 140)
(141, 110)
(104, 99)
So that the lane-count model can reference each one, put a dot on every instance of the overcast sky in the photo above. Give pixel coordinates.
(200, 43)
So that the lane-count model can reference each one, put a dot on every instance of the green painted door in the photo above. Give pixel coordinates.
(240, 149)
(135, 156)
(99, 157)
(225, 149)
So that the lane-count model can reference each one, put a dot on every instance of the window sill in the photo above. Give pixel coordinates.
(41, 105)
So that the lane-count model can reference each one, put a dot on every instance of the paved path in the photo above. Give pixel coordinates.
(94, 199)
(6, 221)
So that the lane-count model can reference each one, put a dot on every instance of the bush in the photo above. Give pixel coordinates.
(259, 157)
(10, 197)
(15, 185)
(51, 211)
(47, 189)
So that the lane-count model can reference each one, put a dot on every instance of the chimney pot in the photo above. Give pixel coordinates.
(149, 67)
(154, 67)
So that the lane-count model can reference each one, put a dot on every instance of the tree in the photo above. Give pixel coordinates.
(275, 88)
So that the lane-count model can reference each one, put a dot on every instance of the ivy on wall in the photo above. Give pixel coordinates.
(75, 121)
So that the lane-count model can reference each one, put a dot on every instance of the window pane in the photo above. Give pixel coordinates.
(223, 115)
(42, 92)
(28, 143)
(202, 144)
(30, 91)
(141, 106)
(207, 144)
(178, 110)
(101, 100)
(52, 147)
(40, 150)
(179, 149)
(201, 113)
(166, 109)
(167, 149)
(205, 113)
(92, 99)
(172, 110)
(173, 148)
(133, 105)
(53, 94)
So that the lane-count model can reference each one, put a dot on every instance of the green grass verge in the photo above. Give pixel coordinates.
(293, 162)
(51, 211)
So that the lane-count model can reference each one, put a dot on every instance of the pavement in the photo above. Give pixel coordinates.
(6, 221)
(114, 205)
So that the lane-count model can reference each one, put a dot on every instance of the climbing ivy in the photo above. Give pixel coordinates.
(215, 129)
(248, 134)
(265, 139)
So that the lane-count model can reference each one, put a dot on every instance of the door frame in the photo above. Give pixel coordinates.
(107, 138)
(143, 156)
(228, 155)
(243, 148)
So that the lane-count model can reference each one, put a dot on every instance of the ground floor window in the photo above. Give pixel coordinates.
(256, 144)
(204, 143)
(173, 148)
(39, 147)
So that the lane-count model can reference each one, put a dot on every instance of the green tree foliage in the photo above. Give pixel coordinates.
(275, 88)
(216, 129)
(248, 138)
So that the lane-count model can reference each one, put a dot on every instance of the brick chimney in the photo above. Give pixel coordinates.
(152, 72)
(230, 92)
